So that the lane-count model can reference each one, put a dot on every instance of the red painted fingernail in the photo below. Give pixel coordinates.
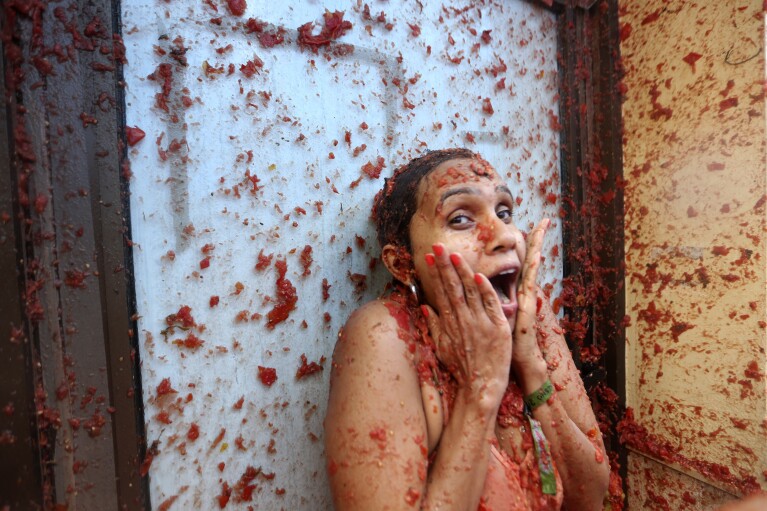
(429, 259)
(425, 311)
(437, 249)
(455, 259)
(478, 278)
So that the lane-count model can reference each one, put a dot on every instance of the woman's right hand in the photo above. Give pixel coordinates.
(470, 331)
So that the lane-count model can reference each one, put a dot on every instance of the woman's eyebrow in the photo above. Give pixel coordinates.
(470, 191)
(457, 191)
(503, 189)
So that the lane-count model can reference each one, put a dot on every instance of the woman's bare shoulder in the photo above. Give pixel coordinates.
(375, 313)
(376, 327)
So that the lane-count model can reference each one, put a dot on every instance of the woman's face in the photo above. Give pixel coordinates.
(467, 207)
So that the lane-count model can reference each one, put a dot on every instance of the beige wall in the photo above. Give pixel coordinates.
(694, 158)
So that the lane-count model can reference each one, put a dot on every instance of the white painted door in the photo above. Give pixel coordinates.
(255, 148)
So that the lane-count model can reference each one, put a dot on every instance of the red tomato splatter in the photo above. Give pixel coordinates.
(658, 110)
(752, 371)
(267, 39)
(144, 469)
(163, 417)
(75, 278)
(378, 434)
(191, 342)
(306, 260)
(487, 106)
(218, 438)
(359, 281)
(678, 328)
(194, 432)
(308, 368)
(165, 388)
(252, 67)
(726, 91)
(286, 297)
(267, 375)
(691, 58)
(183, 317)
(325, 290)
(167, 503)
(94, 424)
(636, 436)
(715, 166)
(134, 135)
(728, 103)
(485, 233)
(213, 301)
(237, 7)
(374, 171)
(263, 261)
(625, 31)
(334, 27)
(226, 493)
(163, 73)
(653, 16)
(411, 496)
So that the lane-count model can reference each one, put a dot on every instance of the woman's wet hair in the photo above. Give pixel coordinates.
(395, 205)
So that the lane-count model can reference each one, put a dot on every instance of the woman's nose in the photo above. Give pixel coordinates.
(503, 236)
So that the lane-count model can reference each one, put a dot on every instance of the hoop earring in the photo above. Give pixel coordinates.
(415, 292)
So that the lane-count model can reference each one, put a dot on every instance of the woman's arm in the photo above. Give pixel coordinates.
(375, 429)
(577, 448)
(567, 418)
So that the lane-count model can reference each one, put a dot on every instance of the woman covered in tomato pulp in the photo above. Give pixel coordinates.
(456, 390)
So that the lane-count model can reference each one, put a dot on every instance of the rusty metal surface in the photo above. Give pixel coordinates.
(71, 251)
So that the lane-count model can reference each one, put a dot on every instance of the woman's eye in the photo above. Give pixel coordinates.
(504, 214)
(459, 220)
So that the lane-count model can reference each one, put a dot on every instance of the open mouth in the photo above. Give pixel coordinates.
(505, 285)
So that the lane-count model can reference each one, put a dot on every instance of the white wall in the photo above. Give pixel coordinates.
(319, 96)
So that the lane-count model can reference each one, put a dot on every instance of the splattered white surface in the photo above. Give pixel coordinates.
(424, 77)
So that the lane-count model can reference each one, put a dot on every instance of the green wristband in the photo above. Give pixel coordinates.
(540, 396)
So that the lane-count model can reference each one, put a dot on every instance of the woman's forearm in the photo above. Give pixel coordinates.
(582, 465)
(457, 476)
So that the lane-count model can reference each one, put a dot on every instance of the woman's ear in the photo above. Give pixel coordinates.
(399, 262)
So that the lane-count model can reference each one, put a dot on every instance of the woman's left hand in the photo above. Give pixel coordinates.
(526, 354)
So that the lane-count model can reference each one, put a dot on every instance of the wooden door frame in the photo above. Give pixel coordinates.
(71, 383)
(592, 198)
